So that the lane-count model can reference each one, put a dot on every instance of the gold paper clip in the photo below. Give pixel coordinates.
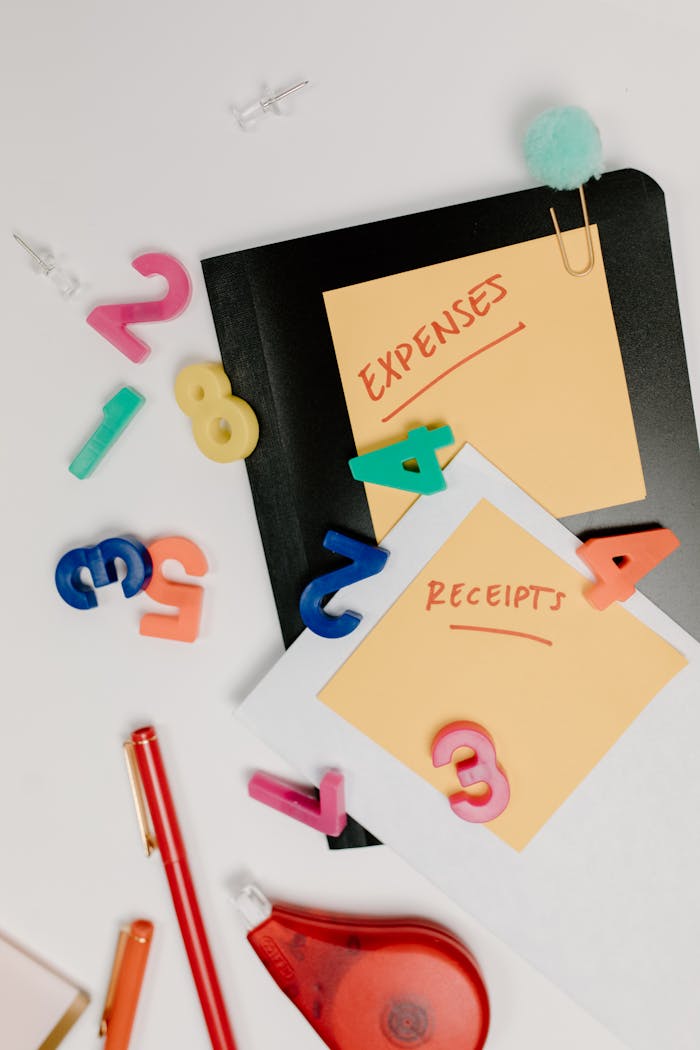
(589, 240)
(147, 834)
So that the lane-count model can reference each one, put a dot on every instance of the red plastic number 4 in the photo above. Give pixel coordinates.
(637, 553)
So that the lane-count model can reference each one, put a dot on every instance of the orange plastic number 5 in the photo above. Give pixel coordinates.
(186, 597)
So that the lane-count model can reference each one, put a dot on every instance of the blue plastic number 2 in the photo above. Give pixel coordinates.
(101, 563)
(385, 466)
(366, 561)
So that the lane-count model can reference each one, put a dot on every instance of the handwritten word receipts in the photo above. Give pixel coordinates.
(528, 597)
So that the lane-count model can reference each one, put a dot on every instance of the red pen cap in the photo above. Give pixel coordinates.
(152, 772)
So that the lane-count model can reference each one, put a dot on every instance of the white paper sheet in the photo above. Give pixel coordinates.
(604, 901)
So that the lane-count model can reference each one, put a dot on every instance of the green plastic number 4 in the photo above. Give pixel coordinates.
(387, 466)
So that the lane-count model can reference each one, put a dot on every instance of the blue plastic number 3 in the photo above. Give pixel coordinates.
(386, 466)
(101, 563)
(366, 561)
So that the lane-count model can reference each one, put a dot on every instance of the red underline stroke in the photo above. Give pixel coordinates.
(499, 630)
(447, 371)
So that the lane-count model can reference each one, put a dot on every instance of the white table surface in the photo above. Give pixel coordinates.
(117, 138)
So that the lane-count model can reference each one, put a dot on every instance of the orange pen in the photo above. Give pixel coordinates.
(130, 960)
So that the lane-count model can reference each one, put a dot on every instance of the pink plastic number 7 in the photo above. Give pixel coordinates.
(327, 814)
(186, 597)
(481, 768)
(111, 321)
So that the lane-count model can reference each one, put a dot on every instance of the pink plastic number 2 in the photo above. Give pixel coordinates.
(111, 321)
(186, 597)
(481, 768)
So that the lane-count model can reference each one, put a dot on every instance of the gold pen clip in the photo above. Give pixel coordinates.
(147, 834)
(116, 967)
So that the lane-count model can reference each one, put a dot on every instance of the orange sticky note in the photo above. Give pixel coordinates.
(520, 359)
(496, 630)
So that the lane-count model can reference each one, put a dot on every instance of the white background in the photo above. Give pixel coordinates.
(117, 138)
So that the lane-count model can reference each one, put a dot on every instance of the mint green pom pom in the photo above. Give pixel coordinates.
(563, 148)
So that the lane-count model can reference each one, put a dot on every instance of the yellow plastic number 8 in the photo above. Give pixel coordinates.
(224, 427)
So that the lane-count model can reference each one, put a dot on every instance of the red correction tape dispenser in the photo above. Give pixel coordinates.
(371, 984)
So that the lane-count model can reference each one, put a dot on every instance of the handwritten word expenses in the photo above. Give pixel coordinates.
(378, 376)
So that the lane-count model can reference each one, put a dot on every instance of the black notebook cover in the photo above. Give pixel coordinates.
(276, 346)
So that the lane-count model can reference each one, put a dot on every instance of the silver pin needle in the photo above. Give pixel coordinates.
(267, 102)
(46, 267)
(65, 282)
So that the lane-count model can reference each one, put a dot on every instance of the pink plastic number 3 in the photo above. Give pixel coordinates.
(481, 768)
(186, 597)
(111, 321)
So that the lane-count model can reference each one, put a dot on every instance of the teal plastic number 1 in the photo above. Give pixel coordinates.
(117, 414)
(386, 466)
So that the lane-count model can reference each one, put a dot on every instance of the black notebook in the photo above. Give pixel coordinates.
(276, 335)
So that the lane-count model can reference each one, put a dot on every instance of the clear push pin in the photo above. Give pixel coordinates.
(45, 264)
(249, 116)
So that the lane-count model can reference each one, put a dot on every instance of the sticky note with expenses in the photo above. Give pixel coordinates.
(519, 358)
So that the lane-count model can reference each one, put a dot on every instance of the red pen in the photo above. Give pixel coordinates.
(147, 776)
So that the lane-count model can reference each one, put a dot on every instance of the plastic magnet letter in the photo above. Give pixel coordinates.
(386, 466)
(111, 321)
(135, 556)
(117, 414)
(185, 597)
(68, 583)
(326, 814)
(101, 564)
(224, 427)
(481, 768)
(366, 561)
(640, 552)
